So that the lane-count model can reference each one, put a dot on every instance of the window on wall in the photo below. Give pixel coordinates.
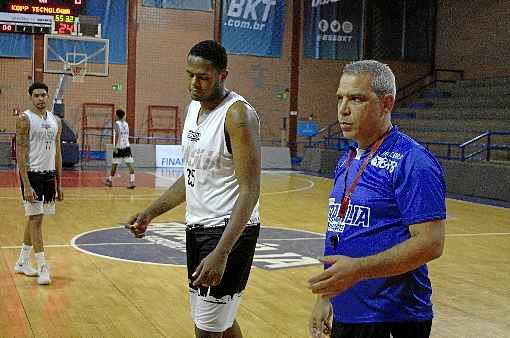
(400, 29)
(200, 5)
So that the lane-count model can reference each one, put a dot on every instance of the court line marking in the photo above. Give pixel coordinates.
(77, 247)
(263, 239)
(272, 172)
(310, 185)
(109, 196)
(475, 203)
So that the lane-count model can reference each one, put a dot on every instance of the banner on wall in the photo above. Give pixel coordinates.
(253, 27)
(333, 29)
(169, 156)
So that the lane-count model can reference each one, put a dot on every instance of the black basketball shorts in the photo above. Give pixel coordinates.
(214, 308)
(44, 185)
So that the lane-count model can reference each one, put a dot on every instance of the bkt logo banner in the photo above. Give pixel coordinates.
(253, 27)
(332, 29)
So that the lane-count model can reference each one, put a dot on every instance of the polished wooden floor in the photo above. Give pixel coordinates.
(97, 297)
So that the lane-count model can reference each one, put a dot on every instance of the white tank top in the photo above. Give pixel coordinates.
(123, 137)
(212, 188)
(42, 138)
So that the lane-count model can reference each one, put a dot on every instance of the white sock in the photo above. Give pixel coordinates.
(25, 253)
(109, 178)
(132, 178)
(39, 257)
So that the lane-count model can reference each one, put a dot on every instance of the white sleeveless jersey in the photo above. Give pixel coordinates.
(212, 188)
(122, 139)
(42, 139)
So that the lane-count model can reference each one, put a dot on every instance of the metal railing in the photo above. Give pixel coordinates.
(424, 82)
(454, 151)
(486, 147)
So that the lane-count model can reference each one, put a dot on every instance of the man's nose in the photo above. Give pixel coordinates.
(343, 108)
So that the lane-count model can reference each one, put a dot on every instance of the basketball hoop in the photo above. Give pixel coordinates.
(78, 72)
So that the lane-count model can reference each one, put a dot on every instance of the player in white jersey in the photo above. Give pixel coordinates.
(221, 187)
(39, 159)
(121, 149)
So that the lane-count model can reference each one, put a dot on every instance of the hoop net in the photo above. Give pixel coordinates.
(78, 71)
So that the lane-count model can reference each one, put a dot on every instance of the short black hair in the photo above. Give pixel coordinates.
(211, 51)
(120, 113)
(37, 85)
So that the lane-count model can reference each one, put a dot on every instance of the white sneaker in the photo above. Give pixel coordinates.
(44, 275)
(25, 268)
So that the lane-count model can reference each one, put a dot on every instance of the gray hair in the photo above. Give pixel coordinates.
(383, 79)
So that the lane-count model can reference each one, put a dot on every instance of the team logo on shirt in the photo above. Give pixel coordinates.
(356, 215)
(193, 136)
(384, 163)
(388, 161)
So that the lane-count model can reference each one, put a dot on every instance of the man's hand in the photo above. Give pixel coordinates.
(321, 319)
(60, 194)
(343, 274)
(30, 194)
(210, 270)
(138, 224)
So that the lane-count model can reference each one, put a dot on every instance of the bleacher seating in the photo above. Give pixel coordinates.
(458, 112)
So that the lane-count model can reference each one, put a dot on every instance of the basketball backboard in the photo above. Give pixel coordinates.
(63, 52)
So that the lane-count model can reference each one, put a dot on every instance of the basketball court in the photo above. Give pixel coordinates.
(106, 283)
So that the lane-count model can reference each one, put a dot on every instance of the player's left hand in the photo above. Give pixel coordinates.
(60, 194)
(341, 275)
(210, 270)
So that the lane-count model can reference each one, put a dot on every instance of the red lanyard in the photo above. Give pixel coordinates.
(346, 198)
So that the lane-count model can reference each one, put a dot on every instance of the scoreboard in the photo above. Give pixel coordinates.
(39, 16)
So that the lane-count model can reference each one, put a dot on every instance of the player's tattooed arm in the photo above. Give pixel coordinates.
(58, 152)
(22, 142)
(58, 160)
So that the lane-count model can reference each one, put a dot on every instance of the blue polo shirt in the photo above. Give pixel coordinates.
(402, 185)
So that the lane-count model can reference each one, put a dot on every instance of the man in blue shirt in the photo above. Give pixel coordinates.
(386, 219)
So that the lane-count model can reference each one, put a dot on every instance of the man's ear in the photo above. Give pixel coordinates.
(388, 102)
(223, 75)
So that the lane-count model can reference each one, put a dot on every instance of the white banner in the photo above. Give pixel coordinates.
(169, 156)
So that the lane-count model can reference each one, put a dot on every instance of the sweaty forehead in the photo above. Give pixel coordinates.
(355, 84)
(198, 64)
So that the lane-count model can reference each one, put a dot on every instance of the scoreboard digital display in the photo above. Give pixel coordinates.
(37, 16)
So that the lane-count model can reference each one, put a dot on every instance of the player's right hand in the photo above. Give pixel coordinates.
(138, 223)
(321, 319)
(30, 194)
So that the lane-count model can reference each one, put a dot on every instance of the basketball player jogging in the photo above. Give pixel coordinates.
(221, 187)
(39, 159)
(121, 149)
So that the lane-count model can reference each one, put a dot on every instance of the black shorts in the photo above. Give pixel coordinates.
(122, 153)
(200, 242)
(44, 185)
(419, 329)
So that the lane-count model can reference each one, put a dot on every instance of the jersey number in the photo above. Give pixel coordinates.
(191, 177)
